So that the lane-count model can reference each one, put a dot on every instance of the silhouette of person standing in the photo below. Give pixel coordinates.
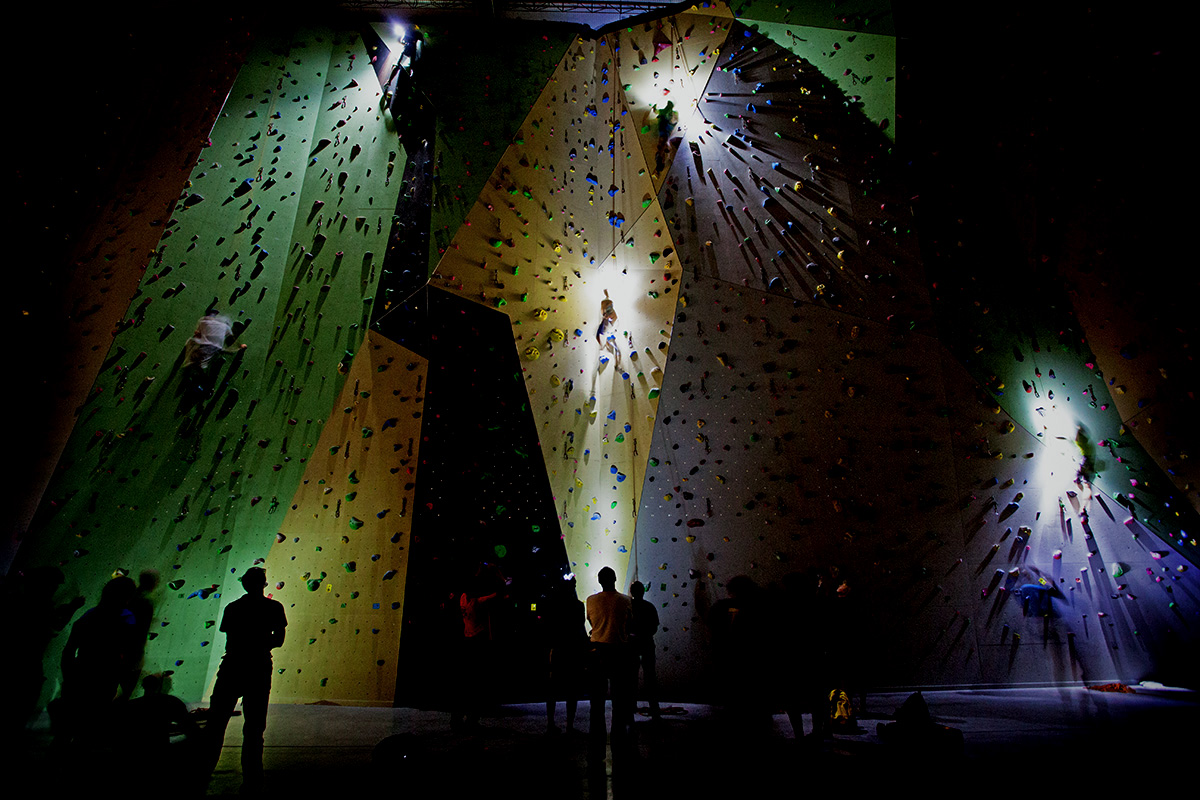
(641, 639)
(738, 635)
(142, 608)
(253, 625)
(568, 649)
(476, 657)
(609, 612)
(97, 656)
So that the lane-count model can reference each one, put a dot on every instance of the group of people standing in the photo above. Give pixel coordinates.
(102, 663)
(606, 661)
(621, 644)
(798, 649)
(794, 649)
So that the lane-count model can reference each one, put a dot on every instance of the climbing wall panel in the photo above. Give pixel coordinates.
(788, 437)
(848, 15)
(568, 215)
(154, 478)
(108, 263)
(667, 62)
(1038, 363)
(1142, 347)
(861, 65)
(792, 438)
(1057, 584)
(341, 555)
(482, 79)
(339, 235)
(787, 189)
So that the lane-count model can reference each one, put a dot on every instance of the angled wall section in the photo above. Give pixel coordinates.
(340, 558)
(570, 214)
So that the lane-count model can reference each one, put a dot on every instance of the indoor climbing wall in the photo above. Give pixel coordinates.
(1147, 365)
(811, 418)
(341, 555)
(817, 438)
(155, 476)
(108, 260)
(1038, 363)
(782, 386)
(853, 44)
(786, 188)
(567, 222)
(663, 66)
(861, 65)
(1054, 582)
(481, 78)
(789, 437)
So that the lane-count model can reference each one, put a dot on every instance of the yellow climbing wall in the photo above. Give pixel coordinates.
(568, 214)
(341, 555)
(668, 60)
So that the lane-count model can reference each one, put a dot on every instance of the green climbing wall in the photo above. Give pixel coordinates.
(861, 65)
(874, 16)
(853, 44)
(149, 480)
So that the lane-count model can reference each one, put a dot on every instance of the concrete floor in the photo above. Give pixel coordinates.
(320, 750)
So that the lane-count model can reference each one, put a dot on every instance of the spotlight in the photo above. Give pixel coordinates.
(398, 31)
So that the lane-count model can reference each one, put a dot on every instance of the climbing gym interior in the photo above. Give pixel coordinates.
(710, 290)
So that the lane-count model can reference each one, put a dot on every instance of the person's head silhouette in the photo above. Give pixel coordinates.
(255, 580)
(607, 578)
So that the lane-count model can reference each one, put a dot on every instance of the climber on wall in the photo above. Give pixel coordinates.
(200, 354)
(608, 323)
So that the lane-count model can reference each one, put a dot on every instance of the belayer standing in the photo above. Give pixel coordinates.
(253, 626)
